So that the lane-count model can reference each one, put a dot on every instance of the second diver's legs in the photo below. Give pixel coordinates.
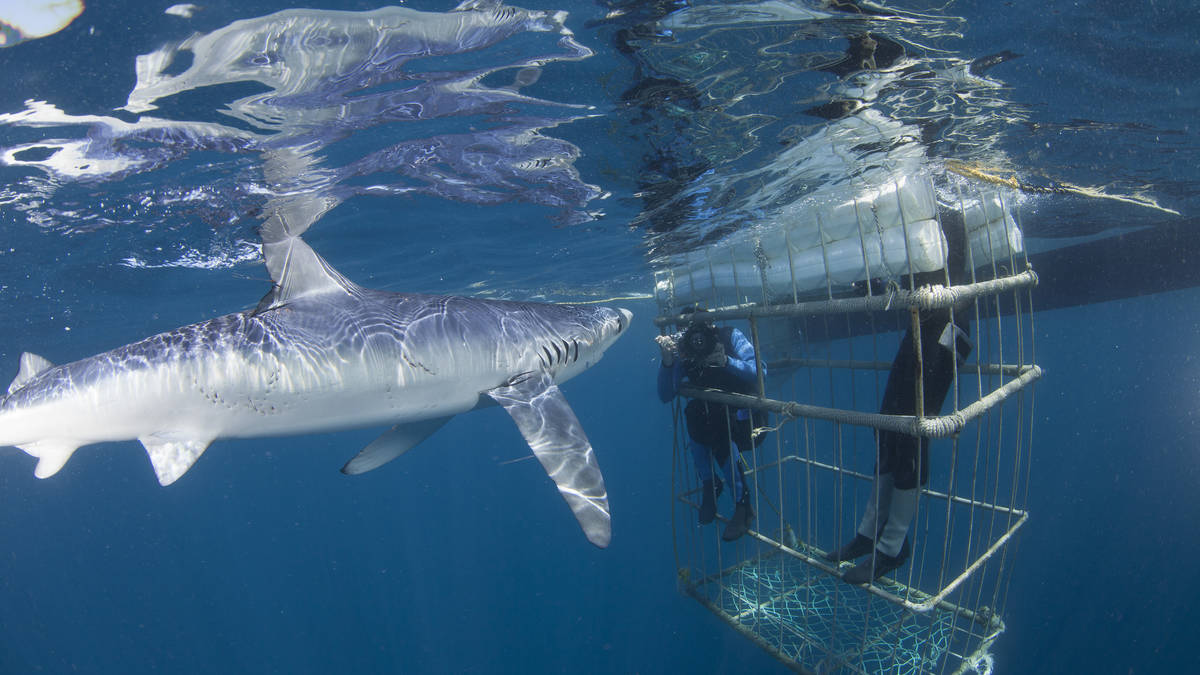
(895, 529)
(874, 517)
(878, 505)
(891, 547)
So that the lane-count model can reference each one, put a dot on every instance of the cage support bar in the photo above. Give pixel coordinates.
(933, 494)
(949, 588)
(924, 298)
(1011, 370)
(973, 503)
(943, 426)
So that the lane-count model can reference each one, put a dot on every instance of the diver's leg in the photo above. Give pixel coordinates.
(743, 513)
(895, 530)
(876, 512)
(731, 468)
(710, 485)
(874, 515)
(899, 397)
(702, 456)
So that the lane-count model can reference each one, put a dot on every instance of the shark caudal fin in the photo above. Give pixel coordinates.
(557, 440)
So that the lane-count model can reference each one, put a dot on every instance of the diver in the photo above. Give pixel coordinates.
(721, 358)
(902, 460)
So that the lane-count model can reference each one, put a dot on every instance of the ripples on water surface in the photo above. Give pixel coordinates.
(459, 136)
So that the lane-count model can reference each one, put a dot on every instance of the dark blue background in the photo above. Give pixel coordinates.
(265, 559)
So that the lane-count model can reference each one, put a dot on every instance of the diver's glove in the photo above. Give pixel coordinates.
(669, 347)
(716, 358)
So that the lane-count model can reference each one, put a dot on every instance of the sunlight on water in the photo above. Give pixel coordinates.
(348, 104)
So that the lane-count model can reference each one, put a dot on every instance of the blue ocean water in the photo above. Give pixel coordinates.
(456, 558)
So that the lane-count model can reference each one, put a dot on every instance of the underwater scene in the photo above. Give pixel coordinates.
(816, 336)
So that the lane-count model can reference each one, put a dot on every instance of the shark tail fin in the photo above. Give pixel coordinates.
(51, 455)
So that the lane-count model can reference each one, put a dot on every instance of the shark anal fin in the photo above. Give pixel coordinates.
(393, 443)
(51, 455)
(32, 365)
(172, 457)
(557, 440)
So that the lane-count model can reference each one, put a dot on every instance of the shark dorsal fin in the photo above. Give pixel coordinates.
(32, 365)
(297, 271)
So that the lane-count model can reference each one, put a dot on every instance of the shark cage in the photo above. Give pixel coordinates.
(893, 329)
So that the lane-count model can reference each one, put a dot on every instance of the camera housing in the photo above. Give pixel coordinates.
(697, 342)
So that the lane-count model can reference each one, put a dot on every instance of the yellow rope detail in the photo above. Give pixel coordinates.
(987, 176)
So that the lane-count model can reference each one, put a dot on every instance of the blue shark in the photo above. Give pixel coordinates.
(320, 353)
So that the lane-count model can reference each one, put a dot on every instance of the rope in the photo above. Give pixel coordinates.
(988, 176)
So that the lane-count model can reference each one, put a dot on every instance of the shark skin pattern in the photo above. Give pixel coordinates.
(318, 354)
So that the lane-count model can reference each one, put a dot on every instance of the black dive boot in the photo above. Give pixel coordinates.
(739, 524)
(883, 563)
(709, 491)
(858, 547)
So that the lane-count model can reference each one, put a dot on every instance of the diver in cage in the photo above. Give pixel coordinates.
(902, 460)
(719, 358)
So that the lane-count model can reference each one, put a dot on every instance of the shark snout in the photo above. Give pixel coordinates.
(616, 321)
(623, 321)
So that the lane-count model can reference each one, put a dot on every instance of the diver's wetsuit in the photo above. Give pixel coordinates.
(903, 460)
(708, 423)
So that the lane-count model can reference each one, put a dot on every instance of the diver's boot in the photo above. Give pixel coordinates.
(874, 566)
(856, 548)
(739, 524)
(709, 491)
(891, 547)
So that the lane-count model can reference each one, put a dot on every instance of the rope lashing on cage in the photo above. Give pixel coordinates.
(942, 426)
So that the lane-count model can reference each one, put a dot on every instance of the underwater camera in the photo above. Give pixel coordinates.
(697, 342)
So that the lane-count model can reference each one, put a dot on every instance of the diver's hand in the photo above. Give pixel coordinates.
(716, 359)
(669, 349)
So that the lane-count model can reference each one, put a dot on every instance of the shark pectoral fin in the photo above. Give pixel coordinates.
(32, 365)
(172, 457)
(51, 455)
(393, 443)
(553, 432)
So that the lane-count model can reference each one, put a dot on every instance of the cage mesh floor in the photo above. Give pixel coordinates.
(822, 624)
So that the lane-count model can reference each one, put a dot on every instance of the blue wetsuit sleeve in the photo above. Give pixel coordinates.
(669, 378)
(741, 361)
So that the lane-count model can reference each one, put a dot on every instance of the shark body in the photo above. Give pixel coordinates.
(319, 354)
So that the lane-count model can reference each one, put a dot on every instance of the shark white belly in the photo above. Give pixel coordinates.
(322, 354)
